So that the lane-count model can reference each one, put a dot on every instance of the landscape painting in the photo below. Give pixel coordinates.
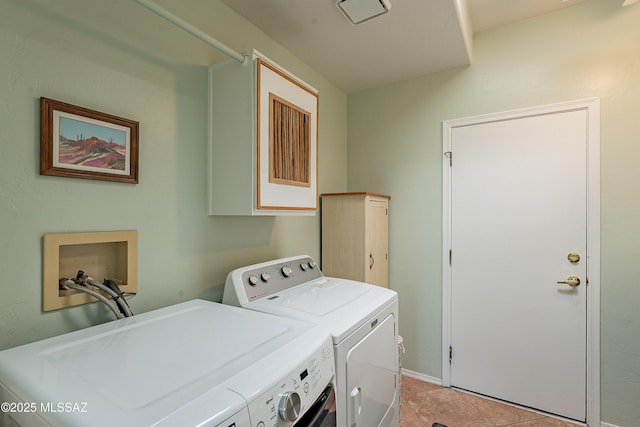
(89, 145)
(81, 143)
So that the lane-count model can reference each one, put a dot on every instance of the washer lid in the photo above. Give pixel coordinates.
(137, 370)
(340, 305)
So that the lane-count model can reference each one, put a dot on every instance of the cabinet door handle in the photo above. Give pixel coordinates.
(371, 261)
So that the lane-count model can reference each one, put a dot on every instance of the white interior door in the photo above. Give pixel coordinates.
(518, 209)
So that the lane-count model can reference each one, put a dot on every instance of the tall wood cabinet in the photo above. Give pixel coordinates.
(355, 237)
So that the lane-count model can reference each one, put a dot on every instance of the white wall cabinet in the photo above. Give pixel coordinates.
(263, 151)
(355, 237)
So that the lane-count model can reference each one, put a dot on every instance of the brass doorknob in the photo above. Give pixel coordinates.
(571, 281)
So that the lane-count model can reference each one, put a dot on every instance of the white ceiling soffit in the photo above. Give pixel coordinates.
(486, 14)
(416, 37)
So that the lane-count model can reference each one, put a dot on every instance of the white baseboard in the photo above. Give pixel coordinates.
(438, 381)
(424, 377)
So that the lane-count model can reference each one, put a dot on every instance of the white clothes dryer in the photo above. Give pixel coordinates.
(196, 363)
(362, 319)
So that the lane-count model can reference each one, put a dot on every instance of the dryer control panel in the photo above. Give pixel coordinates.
(261, 280)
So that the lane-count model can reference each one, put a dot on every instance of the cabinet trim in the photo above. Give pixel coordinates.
(356, 193)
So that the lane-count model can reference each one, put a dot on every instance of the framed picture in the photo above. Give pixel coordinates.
(76, 142)
(287, 141)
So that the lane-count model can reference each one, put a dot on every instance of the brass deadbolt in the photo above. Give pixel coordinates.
(573, 257)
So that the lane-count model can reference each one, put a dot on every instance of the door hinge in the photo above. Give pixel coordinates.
(450, 354)
(450, 256)
(449, 155)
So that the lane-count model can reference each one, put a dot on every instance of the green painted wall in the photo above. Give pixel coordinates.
(183, 253)
(395, 147)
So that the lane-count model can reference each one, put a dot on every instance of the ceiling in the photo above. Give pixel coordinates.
(416, 37)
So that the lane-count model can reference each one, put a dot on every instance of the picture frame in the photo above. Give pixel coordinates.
(76, 142)
(287, 141)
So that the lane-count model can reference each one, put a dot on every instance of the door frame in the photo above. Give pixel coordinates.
(592, 107)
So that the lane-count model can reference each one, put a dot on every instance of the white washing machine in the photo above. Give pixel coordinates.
(197, 363)
(362, 319)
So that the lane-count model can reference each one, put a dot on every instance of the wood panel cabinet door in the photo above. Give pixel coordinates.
(377, 240)
(355, 236)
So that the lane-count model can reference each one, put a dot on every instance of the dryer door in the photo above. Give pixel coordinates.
(372, 367)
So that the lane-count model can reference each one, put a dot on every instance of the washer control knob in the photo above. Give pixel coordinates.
(253, 280)
(265, 277)
(304, 266)
(312, 264)
(289, 408)
(287, 271)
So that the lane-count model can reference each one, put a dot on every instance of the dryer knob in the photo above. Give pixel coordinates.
(289, 408)
(287, 271)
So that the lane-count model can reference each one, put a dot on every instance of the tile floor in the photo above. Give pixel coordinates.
(424, 404)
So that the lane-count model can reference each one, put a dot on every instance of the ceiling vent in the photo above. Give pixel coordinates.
(358, 11)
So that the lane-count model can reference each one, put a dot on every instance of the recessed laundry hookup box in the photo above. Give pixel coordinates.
(101, 255)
